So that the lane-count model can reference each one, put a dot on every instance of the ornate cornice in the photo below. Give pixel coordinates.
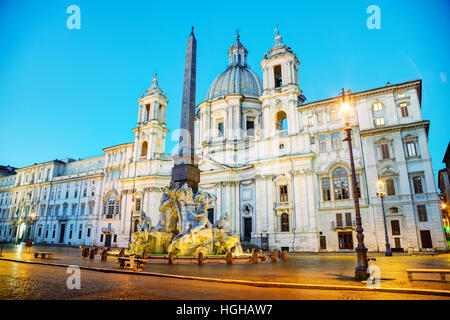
(396, 128)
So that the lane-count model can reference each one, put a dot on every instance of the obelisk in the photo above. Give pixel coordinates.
(185, 170)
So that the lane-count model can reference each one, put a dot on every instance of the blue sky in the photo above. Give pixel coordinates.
(71, 93)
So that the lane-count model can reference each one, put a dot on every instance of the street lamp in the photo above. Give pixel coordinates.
(361, 250)
(382, 193)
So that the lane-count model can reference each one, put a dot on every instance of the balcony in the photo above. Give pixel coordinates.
(343, 225)
(108, 230)
(283, 205)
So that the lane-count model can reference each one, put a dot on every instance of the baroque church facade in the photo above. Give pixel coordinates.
(277, 165)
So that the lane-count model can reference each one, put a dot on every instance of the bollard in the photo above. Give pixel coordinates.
(229, 258)
(200, 258)
(104, 255)
(1, 251)
(91, 254)
(171, 258)
(273, 256)
(284, 256)
(255, 257)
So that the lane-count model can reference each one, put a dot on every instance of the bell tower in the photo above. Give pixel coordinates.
(150, 131)
(281, 92)
(280, 67)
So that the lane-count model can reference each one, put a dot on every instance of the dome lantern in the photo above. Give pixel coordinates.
(238, 78)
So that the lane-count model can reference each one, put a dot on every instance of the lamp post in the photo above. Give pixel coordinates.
(381, 193)
(361, 250)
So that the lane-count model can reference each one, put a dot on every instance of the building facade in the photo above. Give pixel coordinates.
(277, 165)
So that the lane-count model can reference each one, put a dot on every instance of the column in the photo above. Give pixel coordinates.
(237, 207)
(270, 185)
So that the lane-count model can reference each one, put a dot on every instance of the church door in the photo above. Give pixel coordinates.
(62, 233)
(108, 240)
(247, 229)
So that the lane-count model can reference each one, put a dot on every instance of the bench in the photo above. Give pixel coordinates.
(127, 262)
(442, 272)
(48, 255)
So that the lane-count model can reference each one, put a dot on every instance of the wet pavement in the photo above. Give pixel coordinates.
(300, 268)
(20, 281)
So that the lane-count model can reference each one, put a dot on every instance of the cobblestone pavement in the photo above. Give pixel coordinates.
(20, 281)
(300, 268)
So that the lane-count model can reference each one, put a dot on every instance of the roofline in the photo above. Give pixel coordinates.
(118, 145)
(56, 161)
(419, 83)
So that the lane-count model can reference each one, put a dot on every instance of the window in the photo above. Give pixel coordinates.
(310, 121)
(336, 140)
(422, 213)
(250, 127)
(89, 232)
(147, 112)
(220, 128)
(284, 222)
(74, 209)
(348, 219)
(283, 194)
(138, 204)
(326, 193)
(144, 148)
(417, 184)
(340, 183)
(281, 121)
(323, 242)
(333, 115)
(358, 189)
(390, 189)
(395, 226)
(379, 121)
(322, 143)
(385, 151)
(320, 117)
(211, 214)
(339, 222)
(277, 76)
(393, 210)
(111, 207)
(377, 106)
(411, 149)
(404, 109)
(91, 209)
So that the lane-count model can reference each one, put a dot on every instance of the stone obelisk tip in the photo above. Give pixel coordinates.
(185, 170)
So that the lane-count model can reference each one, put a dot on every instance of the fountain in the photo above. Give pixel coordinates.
(183, 228)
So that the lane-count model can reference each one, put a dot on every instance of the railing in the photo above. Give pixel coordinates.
(107, 230)
(343, 225)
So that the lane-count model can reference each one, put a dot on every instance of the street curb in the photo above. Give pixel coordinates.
(286, 285)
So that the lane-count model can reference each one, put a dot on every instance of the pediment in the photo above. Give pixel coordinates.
(206, 165)
(383, 140)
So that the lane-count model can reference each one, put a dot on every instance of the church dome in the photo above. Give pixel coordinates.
(238, 78)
